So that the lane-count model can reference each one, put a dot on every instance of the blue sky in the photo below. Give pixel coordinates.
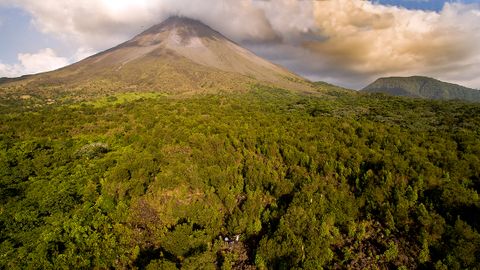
(20, 35)
(421, 4)
(42, 35)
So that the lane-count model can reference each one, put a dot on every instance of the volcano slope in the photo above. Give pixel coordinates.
(264, 177)
(180, 55)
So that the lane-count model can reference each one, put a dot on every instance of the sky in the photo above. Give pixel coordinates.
(345, 42)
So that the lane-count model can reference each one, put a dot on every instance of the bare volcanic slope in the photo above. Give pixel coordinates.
(179, 55)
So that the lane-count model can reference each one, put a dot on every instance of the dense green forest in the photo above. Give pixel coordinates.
(266, 179)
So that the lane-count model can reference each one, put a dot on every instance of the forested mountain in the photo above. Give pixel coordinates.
(168, 173)
(422, 87)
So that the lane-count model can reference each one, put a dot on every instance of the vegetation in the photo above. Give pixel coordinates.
(422, 87)
(304, 181)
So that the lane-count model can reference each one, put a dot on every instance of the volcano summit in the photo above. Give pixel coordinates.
(176, 56)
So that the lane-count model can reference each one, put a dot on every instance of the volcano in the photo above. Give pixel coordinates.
(176, 56)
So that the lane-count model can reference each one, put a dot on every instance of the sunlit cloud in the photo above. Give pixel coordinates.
(372, 39)
(31, 63)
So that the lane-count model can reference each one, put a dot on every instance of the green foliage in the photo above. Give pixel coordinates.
(304, 181)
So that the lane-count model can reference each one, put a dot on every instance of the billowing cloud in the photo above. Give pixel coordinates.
(348, 42)
(9, 70)
(371, 39)
(45, 59)
(95, 23)
(30, 63)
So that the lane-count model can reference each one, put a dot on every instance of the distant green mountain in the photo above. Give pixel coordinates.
(422, 87)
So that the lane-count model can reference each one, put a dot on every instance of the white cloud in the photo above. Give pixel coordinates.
(82, 53)
(31, 63)
(10, 70)
(349, 42)
(102, 23)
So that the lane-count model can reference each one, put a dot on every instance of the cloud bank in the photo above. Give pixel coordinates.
(374, 40)
(347, 42)
(43, 60)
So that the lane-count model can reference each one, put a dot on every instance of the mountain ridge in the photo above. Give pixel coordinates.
(422, 87)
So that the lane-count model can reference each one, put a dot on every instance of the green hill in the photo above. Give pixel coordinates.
(422, 87)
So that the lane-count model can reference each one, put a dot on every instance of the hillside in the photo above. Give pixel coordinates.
(180, 55)
(422, 87)
(259, 179)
